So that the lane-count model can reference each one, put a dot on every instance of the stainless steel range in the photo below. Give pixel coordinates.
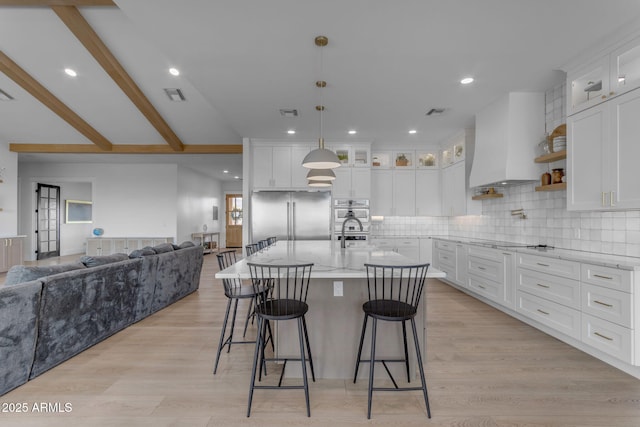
(351, 222)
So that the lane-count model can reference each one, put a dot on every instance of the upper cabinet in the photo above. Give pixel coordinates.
(353, 155)
(397, 159)
(602, 155)
(605, 77)
(279, 166)
(456, 194)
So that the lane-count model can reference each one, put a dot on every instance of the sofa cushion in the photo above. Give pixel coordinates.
(147, 250)
(24, 273)
(19, 305)
(186, 244)
(163, 247)
(94, 261)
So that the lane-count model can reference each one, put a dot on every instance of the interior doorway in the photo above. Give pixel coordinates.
(233, 220)
(47, 221)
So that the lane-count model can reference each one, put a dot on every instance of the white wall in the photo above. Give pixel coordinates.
(137, 200)
(8, 191)
(197, 195)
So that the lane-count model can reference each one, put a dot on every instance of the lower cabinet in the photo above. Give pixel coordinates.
(10, 252)
(491, 274)
(113, 245)
(594, 307)
(409, 246)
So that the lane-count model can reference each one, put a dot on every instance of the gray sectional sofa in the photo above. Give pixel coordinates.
(50, 314)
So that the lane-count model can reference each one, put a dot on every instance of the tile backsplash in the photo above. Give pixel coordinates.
(547, 219)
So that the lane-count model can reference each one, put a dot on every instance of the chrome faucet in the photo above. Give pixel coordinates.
(350, 216)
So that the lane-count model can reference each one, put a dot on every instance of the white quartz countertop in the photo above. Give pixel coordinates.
(329, 260)
(595, 258)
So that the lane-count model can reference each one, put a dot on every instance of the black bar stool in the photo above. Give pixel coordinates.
(289, 286)
(394, 295)
(235, 290)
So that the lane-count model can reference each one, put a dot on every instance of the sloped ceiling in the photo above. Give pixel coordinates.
(386, 64)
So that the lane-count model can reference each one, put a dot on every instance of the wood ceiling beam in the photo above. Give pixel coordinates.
(77, 3)
(124, 149)
(74, 20)
(41, 93)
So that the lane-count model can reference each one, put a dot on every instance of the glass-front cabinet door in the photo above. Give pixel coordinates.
(403, 159)
(427, 159)
(381, 159)
(625, 68)
(588, 86)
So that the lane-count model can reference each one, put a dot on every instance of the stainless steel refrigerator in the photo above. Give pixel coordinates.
(291, 215)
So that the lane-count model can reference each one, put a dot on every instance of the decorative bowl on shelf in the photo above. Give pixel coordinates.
(98, 232)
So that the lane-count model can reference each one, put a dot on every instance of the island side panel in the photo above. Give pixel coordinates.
(334, 324)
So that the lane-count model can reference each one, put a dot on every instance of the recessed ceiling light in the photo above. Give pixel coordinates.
(412, 131)
(503, 183)
(225, 171)
(70, 72)
(352, 132)
(291, 132)
(466, 80)
(174, 71)
(236, 177)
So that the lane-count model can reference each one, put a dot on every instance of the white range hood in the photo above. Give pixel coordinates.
(507, 135)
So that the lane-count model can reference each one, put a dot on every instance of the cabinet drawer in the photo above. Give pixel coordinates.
(487, 288)
(446, 258)
(607, 304)
(559, 267)
(386, 244)
(448, 246)
(450, 272)
(613, 278)
(492, 270)
(557, 289)
(551, 314)
(486, 253)
(407, 243)
(608, 337)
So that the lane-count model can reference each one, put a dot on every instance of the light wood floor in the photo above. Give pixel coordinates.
(483, 368)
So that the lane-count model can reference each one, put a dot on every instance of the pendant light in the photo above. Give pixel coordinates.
(321, 158)
(314, 183)
(321, 175)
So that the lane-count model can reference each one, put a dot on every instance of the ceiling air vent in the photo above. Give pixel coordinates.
(435, 112)
(175, 94)
(4, 96)
(289, 113)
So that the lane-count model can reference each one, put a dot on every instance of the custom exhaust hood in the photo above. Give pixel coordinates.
(507, 134)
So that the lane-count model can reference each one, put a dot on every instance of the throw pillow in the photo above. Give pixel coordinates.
(94, 261)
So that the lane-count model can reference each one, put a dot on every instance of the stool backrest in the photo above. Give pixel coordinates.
(287, 282)
(252, 248)
(227, 259)
(403, 283)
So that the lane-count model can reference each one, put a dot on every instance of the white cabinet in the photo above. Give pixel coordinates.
(393, 192)
(605, 77)
(404, 193)
(352, 183)
(426, 250)
(602, 155)
(111, 245)
(407, 246)
(444, 258)
(279, 166)
(491, 273)
(454, 191)
(381, 192)
(353, 155)
(549, 292)
(428, 192)
(10, 252)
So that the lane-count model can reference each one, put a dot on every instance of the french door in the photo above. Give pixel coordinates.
(47, 221)
(233, 221)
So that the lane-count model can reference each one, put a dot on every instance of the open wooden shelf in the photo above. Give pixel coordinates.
(552, 187)
(552, 157)
(487, 196)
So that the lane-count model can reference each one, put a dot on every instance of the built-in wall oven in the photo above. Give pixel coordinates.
(344, 226)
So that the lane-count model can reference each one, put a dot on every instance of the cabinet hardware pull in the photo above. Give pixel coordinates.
(481, 268)
(611, 198)
(603, 198)
(544, 265)
(504, 253)
(602, 277)
(602, 303)
(603, 336)
(543, 286)
(481, 287)
(543, 312)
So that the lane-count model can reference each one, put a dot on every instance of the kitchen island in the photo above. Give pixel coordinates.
(335, 321)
